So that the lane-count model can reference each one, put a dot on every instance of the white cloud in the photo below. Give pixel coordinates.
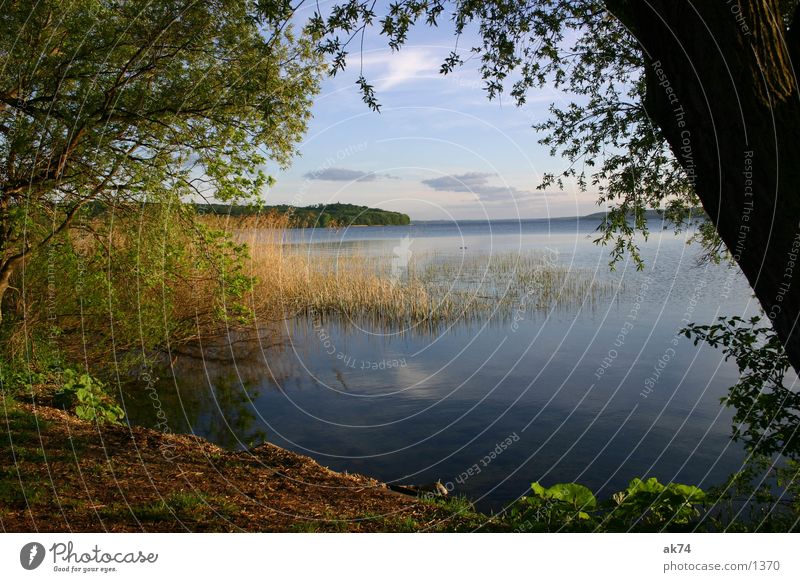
(345, 175)
(388, 69)
(476, 183)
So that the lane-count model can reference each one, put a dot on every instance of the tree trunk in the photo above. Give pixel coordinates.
(6, 271)
(721, 88)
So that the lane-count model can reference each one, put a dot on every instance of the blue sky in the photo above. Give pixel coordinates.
(439, 149)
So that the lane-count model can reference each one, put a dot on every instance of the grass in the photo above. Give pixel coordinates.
(21, 428)
(170, 287)
(21, 440)
(181, 506)
(454, 514)
(430, 290)
(14, 493)
(463, 516)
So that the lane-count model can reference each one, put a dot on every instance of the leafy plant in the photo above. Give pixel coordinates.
(767, 415)
(89, 398)
(645, 505)
(652, 505)
(14, 379)
(762, 497)
(562, 506)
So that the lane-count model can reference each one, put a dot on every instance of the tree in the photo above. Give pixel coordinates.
(113, 104)
(677, 103)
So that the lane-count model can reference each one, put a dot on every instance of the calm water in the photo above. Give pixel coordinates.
(598, 393)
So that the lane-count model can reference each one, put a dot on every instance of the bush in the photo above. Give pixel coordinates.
(642, 506)
(89, 399)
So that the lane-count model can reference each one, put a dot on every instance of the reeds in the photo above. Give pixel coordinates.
(428, 291)
(141, 281)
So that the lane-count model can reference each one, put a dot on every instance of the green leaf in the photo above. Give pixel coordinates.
(650, 486)
(688, 492)
(538, 490)
(574, 494)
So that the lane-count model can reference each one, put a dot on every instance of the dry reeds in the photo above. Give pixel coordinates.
(145, 281)
(294, 279)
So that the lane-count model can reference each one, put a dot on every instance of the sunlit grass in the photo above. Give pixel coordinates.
(428, 290)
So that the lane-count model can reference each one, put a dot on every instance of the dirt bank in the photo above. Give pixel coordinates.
(63, 474)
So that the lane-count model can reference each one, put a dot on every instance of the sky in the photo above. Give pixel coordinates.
(438, 149)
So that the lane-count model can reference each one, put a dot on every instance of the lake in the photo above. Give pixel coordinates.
(598, 391)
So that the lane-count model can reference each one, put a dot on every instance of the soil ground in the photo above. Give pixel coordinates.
(62, 474)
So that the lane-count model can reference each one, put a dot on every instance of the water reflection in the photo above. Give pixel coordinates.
(209, 389)
(598, 392)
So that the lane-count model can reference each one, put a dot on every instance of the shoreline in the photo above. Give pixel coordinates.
(63, 474)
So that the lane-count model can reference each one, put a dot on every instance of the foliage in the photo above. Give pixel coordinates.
(124, 103)
(762, 497)
(18, 380)
(564, 505)
(650, 505)
(643, 506)
(317, 215)
(605, 133)
(89, 398)
(578, 47)
(129, 280)
(767, 410)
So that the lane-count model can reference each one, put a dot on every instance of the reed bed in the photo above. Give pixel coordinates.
(428, 291)
(290, 282)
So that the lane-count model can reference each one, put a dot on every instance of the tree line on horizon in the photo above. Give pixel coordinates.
(315, 215)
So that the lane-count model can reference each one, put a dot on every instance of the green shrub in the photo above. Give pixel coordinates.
(89, 399)
(651, 505)
(642, 506)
